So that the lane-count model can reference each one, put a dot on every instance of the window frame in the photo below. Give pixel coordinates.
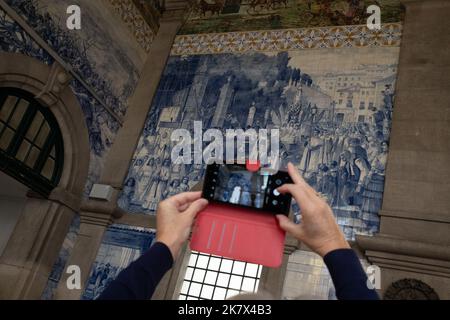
(32, 177)
(216, 286)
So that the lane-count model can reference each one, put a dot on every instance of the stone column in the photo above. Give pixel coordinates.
(414, 236)
(122, 151)
(33, 248)
(97, 215)
(35, 243)
(272, 279)
(84, 252)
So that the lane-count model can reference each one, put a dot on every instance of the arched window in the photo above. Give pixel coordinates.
(31, 146)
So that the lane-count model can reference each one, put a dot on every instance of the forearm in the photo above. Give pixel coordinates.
(349, 278)
(139, 280)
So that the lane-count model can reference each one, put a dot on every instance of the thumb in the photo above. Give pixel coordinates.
(287, 225)
(196, 206)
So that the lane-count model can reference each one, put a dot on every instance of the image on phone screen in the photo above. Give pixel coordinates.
(234, 184)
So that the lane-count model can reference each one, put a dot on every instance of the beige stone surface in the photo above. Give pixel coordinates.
(417, 196)
(419, 230)
(11, 281)
(425, 166)
(34, 245)
(421, 136)
(272, 279)
(83, 255)
(435, 107)
(415, 217)
(121, 153)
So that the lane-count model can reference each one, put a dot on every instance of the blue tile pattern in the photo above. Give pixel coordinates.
(74, 50)
(121, 245)
(334, 124)
(335, 130)
(60, 264)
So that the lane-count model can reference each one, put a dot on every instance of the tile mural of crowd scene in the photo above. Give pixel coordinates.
(105, 58)
(121, 245)
(333, 108)
(208, 16)
(103, 55)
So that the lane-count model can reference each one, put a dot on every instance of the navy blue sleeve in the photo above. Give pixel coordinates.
(349, 278)
(139, 280)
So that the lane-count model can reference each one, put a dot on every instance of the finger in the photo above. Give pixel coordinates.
(184, 198)
(294, 174)
(184, 207)
(298, 179)
(196, 206)
(287, 225)
(298, 191)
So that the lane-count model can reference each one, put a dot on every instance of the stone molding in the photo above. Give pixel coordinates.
(403, 247)
(58, 80)
(433, 217)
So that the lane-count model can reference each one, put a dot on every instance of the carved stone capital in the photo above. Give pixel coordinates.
(58, 79)
(95, 218)
(397, 245)
(109, 208)
(174, 10)
(66, 198)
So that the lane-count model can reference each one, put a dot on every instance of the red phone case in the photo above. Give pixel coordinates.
(239, 233)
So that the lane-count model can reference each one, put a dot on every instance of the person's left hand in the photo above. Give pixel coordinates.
(174, 219)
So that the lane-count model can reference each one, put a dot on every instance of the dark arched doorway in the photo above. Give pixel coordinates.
(58, 166)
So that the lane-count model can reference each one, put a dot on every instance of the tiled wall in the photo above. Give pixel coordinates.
(329, 90)
(332, 104)
(121, 245)
(105, 57)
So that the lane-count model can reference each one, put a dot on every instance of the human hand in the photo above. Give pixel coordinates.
(318, 228)
(174, 219)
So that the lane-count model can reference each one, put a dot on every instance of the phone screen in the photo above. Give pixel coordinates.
(234, 184)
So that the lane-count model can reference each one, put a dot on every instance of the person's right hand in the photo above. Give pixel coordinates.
(318, 228)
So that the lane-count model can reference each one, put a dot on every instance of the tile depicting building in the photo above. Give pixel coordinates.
(333, 116)
(309, 68)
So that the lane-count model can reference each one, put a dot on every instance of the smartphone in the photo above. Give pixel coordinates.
(234, 184)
